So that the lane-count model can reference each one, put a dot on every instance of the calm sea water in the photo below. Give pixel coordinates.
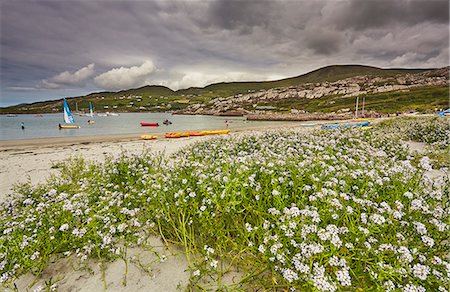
(126, 123)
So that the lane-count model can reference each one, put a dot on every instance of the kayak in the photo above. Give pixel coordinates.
(196, 134)
(147, 124)
(149, 137)
(345, 126)
(216, 132)
(69, 127)
(172, 135)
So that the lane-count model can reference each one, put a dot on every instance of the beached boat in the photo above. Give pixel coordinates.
(148, 124)
(345, 126)
(444, 113)
(172, 135)
(216, 132)
(68, 118)
(149, 137)
(196, 134)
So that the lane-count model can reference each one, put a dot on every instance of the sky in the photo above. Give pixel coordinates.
(61, 48)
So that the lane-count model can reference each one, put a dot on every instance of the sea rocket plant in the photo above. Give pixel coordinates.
(327, 211)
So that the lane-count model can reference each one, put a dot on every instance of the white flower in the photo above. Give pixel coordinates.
(344, 277)
(420, 227)
(262, 248)
(214, 263)
(425, 163)
(377, 219)
(428, 240)
(413, 288)
(64, 227)
(421, 271)
(290, 275)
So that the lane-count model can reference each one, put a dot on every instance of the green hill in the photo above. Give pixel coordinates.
(160, 98)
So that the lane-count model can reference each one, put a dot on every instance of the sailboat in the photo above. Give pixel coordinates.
(68, 118)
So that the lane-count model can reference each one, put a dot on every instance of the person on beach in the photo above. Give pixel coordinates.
(226, 123)
(22, 125)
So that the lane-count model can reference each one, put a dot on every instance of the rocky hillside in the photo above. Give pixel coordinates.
(294, 98)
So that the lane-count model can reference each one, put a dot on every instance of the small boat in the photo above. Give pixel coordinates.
(167, 122)
(11, 115)
(68, 118)
(308, 125)
(101, 115)
(444, 113)
(69, 126)
(149, 137)
(147, 124)
(346, 126)
(172, 135)
(112, 114)
(216, 132)
(91, 122)
(364, 119)
(91, 111)
(196, 134)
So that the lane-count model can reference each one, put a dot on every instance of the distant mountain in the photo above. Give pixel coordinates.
(161, 98)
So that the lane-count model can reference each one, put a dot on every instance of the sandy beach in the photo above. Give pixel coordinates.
(32, 160)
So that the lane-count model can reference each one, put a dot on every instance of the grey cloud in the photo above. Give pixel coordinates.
(360, 15)
(235, 39)
(324, 42)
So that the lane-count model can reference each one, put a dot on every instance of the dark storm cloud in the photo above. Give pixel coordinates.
(190, 43)
(361, 15)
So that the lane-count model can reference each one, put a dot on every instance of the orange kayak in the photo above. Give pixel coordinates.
(172, 135)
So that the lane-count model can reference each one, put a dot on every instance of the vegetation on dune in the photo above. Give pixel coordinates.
(331, 210)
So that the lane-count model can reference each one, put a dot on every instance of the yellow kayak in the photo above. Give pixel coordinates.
(68, 127)
(216, 132)
(149, 137)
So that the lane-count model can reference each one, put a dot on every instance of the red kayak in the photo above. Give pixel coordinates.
(147, 124)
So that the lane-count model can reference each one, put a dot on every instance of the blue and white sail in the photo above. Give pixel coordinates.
(68, 118)
(91, 111)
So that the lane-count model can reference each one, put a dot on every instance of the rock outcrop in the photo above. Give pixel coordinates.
(354, 86)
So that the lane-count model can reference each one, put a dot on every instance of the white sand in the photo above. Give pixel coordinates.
(19, 164)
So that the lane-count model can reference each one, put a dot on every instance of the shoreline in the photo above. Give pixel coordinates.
(18, 144)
